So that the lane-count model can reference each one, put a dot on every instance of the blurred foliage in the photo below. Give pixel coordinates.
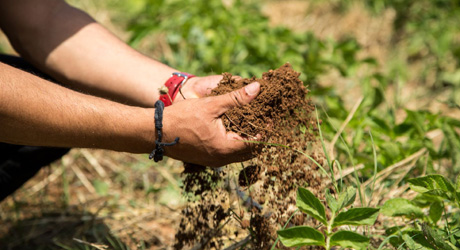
(427, 31)
(208, 37)
(211, 37)
(438, 228)
(394, 140)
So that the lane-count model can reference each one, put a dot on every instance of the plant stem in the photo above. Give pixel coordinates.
(329, 231)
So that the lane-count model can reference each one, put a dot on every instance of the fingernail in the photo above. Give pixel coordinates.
(252, 89)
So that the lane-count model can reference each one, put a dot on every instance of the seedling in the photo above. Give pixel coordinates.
(334, 235)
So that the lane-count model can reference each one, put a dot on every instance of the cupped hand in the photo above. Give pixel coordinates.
(203, 137)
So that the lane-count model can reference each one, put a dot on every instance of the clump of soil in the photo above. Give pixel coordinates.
(282, 94)
(249, 175)
(257, 196)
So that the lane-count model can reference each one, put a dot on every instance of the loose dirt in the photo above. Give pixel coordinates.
(282, 95)
(248, 202)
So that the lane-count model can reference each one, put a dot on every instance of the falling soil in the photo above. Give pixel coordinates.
(257, 196)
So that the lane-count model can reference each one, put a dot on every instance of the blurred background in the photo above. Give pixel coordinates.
(384, 75)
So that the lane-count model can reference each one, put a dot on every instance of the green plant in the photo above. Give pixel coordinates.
(206, 37)
(434, 219)
(395, 139)
(424, 35)
(339, 216)
(426, 31)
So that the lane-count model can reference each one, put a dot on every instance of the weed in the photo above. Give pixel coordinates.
(308, 236)
(433, 215)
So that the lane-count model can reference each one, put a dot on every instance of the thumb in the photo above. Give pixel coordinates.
(237, 98)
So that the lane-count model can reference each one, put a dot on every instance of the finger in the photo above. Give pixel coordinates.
(235, 98)
(212, 82)
(209, 83)
(240, 145)
(245, 137)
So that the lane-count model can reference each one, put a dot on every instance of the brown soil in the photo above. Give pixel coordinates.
(219, 211)
(282, 95)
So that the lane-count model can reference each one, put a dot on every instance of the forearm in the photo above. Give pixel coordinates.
(37, 112)
(70, 46)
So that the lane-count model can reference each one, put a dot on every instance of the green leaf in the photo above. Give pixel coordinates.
(347, 239)
(431, 182)
(401, 207)
(453, 139)
(457, 183)
(357, 216)
(425, 200)
(301, 236)
(440, 193)
(101, 187)
(346, 198)
(391, 149)
(455, 238)
(434, 238)
(416, 243)
(436, 210)
(331, 201)
(309, 204)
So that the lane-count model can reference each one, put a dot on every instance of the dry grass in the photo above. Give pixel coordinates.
(97, 196)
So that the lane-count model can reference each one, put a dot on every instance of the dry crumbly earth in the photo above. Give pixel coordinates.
(258, 196)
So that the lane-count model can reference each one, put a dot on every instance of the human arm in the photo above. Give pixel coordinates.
(69, 45)
(34, 111)
(37, 112)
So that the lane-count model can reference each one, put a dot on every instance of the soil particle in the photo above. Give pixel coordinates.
(245, 224)
(249, 175)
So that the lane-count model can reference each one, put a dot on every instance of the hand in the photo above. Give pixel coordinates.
(203, 137)
(198, 87)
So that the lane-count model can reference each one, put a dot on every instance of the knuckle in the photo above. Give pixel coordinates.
(237, 98)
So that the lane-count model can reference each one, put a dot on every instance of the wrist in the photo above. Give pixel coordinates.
(143, 134)
(159, 151)
(138, 131)
(151, 76)
(170, 133)
(172, 87)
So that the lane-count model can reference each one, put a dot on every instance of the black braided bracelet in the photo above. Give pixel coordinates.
(157, 153)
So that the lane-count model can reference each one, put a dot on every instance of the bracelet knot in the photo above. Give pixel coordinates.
(158, 152)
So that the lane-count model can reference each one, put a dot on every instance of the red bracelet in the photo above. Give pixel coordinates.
(174, 84)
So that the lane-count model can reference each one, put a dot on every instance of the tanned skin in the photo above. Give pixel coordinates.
(110, 91)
